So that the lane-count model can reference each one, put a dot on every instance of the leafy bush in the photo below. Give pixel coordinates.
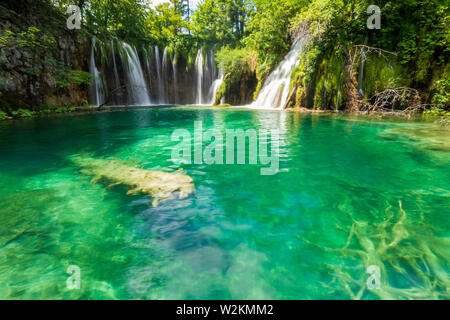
(442, 93)
(4, 116)
(234, 62)
(22, 113)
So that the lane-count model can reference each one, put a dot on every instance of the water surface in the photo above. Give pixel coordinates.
(242, 235)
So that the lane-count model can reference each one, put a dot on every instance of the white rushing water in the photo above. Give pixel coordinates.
(158, 75)
(199, 70)
(165, 73)
(275, 90)
(361, 76)
(116, 74)
(97, 88)
(140, 78)
(175, 79)
(135, 75)
(215, 87)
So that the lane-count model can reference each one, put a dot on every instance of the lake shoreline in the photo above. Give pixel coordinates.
(94, 109)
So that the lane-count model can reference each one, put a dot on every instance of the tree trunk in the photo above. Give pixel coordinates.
(351, 84)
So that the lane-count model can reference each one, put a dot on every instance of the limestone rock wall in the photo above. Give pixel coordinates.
(30, 75)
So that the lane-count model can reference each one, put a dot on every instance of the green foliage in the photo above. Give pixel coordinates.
(235, 61)
(4, 116)
(65, 77)
(32, 39)
(442, 93)
(220, 22)
(268, 31)
(22, 113)
(237, 64)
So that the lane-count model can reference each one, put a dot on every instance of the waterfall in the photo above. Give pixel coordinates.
(116, 74)
(158, 74)
(275, 90)
(164, 76)
(199, 70)
(338, 96)
(149, 75)
(96, 89)
(215, 87)
(175, 80)
(361, 90)
(147, 57)
(135, 75)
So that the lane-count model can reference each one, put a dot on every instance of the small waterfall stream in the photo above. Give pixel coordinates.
(175, 79)
(96, 90)
(215, 87)
(164, 66)
(116, 74)
(199, 70)
(275, 90)
(135, 75)
(158, 74)
(361, 90)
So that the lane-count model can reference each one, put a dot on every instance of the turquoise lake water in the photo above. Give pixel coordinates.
(242, 235)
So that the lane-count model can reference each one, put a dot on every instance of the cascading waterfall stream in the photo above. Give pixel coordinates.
(164, 66)
(175, 79)
(97, 88)
(275, 90)
(158, 75)
(135, 75)
(199, 69)
(147, 56)
(116, 74)
(215, 87)
(361, 75)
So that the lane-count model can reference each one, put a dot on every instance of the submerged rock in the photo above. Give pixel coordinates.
(157, 184)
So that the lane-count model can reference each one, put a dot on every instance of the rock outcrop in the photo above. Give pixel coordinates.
(38, 55)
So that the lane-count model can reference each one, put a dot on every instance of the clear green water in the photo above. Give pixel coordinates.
(242, 235)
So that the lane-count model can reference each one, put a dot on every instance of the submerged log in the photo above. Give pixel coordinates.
(157, 184)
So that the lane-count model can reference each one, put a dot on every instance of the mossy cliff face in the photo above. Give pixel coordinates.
(41, 61)
(322, 84)
(240, 76)
(237, 90)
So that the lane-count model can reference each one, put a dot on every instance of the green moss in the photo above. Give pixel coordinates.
(221, 92)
